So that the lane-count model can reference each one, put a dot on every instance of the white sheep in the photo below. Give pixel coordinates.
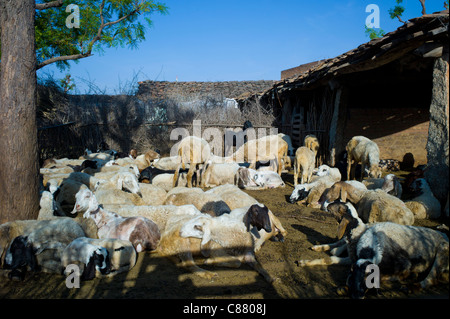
(400, 251)
(424, 205)
(372, 205)
(233, 196)
(121, 256)
(90, 257)
(168, 163)
(207, 202)
(152, 194)
(304, 164)
(261, 223)
(224, 240)
(311, 193)
(344, 243)
(251, 179)
(362, 150)
(216, 174)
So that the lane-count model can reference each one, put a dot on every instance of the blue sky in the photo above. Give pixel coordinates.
(235, 40)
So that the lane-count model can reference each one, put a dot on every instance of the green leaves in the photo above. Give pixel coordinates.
(103, 24)
(373, 33)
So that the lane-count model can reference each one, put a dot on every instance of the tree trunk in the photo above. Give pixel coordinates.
(19, 167)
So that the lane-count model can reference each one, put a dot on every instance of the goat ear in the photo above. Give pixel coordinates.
(342, 227)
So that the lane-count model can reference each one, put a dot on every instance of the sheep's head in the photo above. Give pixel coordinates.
(375, 171)
(128, 182)
(258, 216)
(299, 193)
(198, 227)
(322, 170)
(84, 201)
(98, 260)
(345, 215)
(20, 255)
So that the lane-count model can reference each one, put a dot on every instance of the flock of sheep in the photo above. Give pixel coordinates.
(101, 210)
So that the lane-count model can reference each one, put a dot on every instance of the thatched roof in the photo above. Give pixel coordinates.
(431, 29)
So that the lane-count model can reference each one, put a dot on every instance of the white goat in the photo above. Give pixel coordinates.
(362, 150)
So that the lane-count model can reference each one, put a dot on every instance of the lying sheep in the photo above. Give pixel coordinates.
(347, 237)
(159, 214)
(118, 255)
(372, 205)
(122, 181)
(424, 205)
(261, 223)
(401, 252)
(362, 150)
(89, 256)
(43, 242)
(304, 164)
(224, 240)
(311, 193)
(152, 194)
(216, 174)
(390, 184)
(142, 232)
(250, 179)
(214, 204)
(233, 196)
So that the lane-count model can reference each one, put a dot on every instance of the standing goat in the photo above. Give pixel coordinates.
(362, 150)
(195, 151)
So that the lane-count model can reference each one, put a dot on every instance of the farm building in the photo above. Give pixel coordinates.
(393, 90)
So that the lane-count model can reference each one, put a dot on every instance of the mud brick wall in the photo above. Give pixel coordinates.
(396, 131)
(160, 90)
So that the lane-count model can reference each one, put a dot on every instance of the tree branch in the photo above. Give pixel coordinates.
(422, 2)
(93, 41)
(62, 58)
(53, 4)
(400, 19)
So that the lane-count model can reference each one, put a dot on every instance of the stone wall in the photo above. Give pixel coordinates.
(438, 144)
(396, 131)
(161, 90)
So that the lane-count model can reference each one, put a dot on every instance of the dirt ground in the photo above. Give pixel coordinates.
(155, 277)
